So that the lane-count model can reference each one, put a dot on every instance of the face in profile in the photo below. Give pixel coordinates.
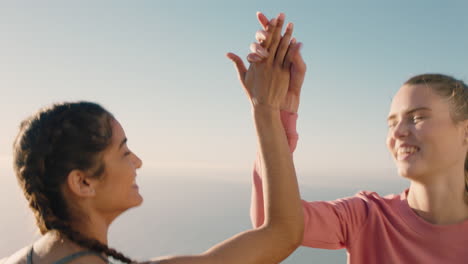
(422, 137)
(118, 191)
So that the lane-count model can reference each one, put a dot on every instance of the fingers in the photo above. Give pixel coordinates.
(239, 64)
(298, 62)
(270, 39)
(292, 53)
(261, 36)
(276, 35)
(253, 57)
(284, 45)
(269, 31)
(262, 19)
(258, 53)
(259, 50)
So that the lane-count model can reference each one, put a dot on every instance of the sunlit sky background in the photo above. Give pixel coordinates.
(160, 67)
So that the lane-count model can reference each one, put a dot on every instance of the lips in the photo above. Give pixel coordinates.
(405, 151)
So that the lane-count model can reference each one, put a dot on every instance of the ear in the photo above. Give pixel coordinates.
(81, 185)
(465, 127)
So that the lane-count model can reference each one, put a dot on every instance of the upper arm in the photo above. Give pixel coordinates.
(19, 257)
(333, 224)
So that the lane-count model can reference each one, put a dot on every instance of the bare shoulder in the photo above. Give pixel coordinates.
(19, 257)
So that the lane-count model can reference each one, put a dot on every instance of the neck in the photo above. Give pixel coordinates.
(440, 200)
(94, 227)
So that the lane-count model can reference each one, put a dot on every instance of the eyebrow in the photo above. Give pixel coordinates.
(122, 143)
(410, 112)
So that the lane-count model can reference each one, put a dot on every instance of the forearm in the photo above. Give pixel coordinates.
(257, 215)
(239, 249)
(289, 120)
(283, 210)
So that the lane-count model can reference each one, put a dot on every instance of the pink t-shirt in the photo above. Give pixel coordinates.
(372, 228)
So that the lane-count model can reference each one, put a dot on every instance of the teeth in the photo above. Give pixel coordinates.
(407, 150)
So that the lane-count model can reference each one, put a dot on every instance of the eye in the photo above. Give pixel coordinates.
(127, 151)
(417, 118)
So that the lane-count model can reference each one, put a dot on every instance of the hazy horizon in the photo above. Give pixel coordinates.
(160, 68)
(187, 214)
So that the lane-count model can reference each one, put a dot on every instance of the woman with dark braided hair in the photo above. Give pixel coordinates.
(78, 174)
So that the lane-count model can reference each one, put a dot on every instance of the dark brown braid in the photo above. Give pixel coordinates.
(48, 147)
(456, 91)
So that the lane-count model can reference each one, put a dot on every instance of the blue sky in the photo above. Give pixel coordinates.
(160, 67)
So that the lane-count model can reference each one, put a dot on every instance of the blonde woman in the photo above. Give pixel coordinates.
(428, 139)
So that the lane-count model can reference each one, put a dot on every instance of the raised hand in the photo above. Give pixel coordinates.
(266, 82)
(298, 67)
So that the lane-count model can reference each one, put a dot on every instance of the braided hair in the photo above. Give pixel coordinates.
(49, 145)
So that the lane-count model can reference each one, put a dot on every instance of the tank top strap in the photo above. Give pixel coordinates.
(29, 256)
(67, 258)
(79, 255)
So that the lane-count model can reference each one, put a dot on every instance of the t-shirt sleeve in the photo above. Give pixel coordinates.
(328, 224)
(333, 224)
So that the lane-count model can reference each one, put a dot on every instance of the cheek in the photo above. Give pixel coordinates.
(431, 133)
(390, 142)
(439, 139)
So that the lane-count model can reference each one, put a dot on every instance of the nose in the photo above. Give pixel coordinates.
(138, 162)
(400, 130)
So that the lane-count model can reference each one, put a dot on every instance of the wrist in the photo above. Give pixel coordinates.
(265, 116)
(290, 104)
(265, 111)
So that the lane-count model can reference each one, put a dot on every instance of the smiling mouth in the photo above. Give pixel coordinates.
(404, 153)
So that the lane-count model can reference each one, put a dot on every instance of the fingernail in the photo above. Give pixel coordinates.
(293, 40)
(252, 57)
(262, 52)
(261, 36)
(255, 59)
(281, 16)
(290, 26)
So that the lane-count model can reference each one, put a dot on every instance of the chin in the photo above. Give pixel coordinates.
(138, 200)
(134, 201)
(410, 172)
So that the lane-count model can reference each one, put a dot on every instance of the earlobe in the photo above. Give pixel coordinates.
(79, 184)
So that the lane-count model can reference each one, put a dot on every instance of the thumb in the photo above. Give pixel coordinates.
(239, 64)
(298, 60)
